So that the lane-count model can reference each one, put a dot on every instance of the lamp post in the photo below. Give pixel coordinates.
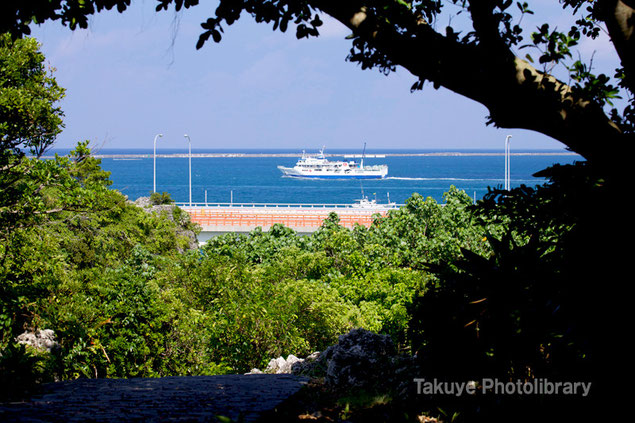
(507, 164)
(189, 155)
(154, 179)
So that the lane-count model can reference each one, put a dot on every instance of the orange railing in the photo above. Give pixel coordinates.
(293, 219)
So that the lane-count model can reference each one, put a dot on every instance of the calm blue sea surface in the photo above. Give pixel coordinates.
(258, 180)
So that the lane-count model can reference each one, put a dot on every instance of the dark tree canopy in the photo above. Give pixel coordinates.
(493, 62)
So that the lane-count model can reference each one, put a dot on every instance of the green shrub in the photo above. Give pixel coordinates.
(157, 199)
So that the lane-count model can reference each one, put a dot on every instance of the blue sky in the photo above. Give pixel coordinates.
(131, 76)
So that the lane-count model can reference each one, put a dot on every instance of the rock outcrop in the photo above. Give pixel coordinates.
(43, 340)
(281, 365)
(360, 360)
(168, 210)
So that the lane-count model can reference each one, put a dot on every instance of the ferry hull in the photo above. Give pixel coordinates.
(357, 174)
(335, 176)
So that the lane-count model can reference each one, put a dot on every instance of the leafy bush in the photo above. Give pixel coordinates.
(82, 264)
(157, 199)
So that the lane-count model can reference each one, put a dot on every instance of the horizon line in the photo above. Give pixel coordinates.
(356, 155)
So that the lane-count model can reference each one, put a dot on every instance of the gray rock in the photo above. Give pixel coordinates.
(306, 367)
(168, 211)
(43, 340)
(143, 202)
(281, 365)
(359, 360)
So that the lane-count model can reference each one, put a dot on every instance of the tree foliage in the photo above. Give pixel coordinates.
(85, 268)
(30, 117)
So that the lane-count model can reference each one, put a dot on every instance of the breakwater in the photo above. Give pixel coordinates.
(125, 156)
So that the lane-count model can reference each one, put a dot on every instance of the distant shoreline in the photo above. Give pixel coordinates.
(351, 155)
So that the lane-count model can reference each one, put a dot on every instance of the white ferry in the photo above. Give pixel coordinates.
(319, 167)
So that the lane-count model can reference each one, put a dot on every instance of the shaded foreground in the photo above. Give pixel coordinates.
(193, 399)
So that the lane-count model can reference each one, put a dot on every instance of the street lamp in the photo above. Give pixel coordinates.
(507, 164)
(154, 185)
(189, 155)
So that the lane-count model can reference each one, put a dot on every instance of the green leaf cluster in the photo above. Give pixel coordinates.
(77, 257)
(30, 117)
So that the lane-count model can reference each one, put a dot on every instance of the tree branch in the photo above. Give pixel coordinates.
(516, 94)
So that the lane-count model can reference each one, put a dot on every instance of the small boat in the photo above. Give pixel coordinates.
(319, 167)
(365, 203)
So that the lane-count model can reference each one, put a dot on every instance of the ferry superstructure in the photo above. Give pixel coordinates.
(319, 167)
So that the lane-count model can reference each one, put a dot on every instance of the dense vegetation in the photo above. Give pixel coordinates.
(125, 297)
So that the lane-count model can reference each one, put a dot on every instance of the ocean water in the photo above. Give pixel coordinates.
(258, 180)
